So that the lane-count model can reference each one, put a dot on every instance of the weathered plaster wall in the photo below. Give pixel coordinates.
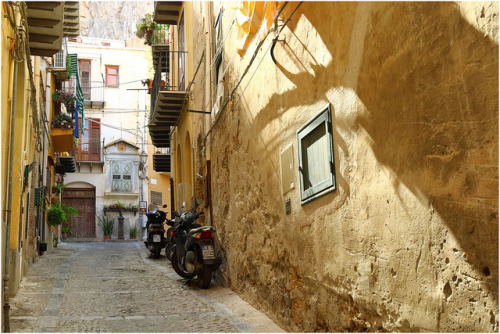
(409, 240)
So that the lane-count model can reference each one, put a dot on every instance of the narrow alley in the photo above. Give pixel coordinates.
(116, 287)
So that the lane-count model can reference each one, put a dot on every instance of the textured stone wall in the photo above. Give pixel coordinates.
(112, 19)
(409, 240)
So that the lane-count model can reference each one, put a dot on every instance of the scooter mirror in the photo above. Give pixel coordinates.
(164, 205)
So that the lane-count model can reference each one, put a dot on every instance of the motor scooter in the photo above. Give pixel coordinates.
(194, 252)
(169, 248)
(156, 232)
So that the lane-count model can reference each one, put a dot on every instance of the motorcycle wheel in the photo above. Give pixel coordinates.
(205, 277)
(156, 251)
(169, 250)
(177, 269)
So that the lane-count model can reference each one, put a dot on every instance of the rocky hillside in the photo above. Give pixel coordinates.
(112, 19)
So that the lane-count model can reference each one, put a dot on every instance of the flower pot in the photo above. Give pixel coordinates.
(64, 235)
(107, 237)
(43, 247)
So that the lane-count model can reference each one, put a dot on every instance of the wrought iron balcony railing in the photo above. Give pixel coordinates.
(89, 150)
(160, 35)
(92, 90)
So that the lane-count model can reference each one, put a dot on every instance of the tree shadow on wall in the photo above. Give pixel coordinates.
(431, 96)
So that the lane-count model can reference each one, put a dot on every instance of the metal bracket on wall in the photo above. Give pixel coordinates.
(200, 112)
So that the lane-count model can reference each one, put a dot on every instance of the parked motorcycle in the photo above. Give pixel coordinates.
(194, 251)
(156, 232)
(169, 248)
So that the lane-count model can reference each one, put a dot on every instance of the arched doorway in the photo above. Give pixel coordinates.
(80, 196)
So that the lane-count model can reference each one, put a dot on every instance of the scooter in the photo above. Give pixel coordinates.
(194, 252)
(169, 248)
(156, 232)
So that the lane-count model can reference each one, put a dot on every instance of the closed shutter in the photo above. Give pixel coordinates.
(121, 176)
(95, 140)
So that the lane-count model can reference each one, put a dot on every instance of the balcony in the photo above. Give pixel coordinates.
(166, 103)
(71, 26)
(160, 45)
(62, 140)
(48, 23)
(161, 160)
(59, 69)
(167, 12)
(68, 162)
(93, 92)
(88, 150)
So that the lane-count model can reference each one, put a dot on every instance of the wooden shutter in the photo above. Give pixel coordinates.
(111, 76)
(84, 66)
(95, 139)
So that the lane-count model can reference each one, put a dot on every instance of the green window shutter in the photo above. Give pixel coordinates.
(115, 176)
(121, 176)
(316, 159)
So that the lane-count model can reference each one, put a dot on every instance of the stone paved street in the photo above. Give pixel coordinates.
(116, 287)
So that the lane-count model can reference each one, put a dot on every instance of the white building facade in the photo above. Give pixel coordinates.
(110, 178)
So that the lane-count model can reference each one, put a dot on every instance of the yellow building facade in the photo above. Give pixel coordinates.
(351, 154)
(26, 138)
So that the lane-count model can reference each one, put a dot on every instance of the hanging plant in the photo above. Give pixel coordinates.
(68, 98)
(68, 65)
(63, 121)
(59, 213)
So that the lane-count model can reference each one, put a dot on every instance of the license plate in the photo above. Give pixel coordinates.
(207, 251)
(156, 238)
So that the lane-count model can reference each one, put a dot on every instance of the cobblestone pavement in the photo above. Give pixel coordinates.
(116, 287)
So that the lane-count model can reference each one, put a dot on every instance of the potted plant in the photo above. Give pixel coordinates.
(133, 232)
(107, 226)
(65, 97)
(146, 28)
(64, 232)
(63, 121)
(59, 213)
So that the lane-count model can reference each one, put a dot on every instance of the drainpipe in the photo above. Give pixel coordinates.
(6, 305)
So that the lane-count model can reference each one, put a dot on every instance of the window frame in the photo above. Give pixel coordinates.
(323, 118)
(108, 67)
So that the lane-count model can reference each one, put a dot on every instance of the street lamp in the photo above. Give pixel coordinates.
(143, 158)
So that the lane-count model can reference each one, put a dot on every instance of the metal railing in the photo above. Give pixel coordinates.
(88, 150)
(160, 35)
(181, 65)
(92, 90)
(162, 150)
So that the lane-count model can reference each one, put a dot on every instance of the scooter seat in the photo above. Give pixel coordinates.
(199, 229)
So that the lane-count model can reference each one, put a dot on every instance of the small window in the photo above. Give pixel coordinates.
(127, 177)
(316, 159)
(117, 177)
(156, 198)
(111, 76)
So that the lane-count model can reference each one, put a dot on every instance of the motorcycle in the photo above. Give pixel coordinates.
(169, 248)
(194, 252)
(156, 232)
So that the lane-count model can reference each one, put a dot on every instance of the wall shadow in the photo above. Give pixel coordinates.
(429, 82)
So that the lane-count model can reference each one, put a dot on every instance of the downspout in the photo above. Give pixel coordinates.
(6, 305)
